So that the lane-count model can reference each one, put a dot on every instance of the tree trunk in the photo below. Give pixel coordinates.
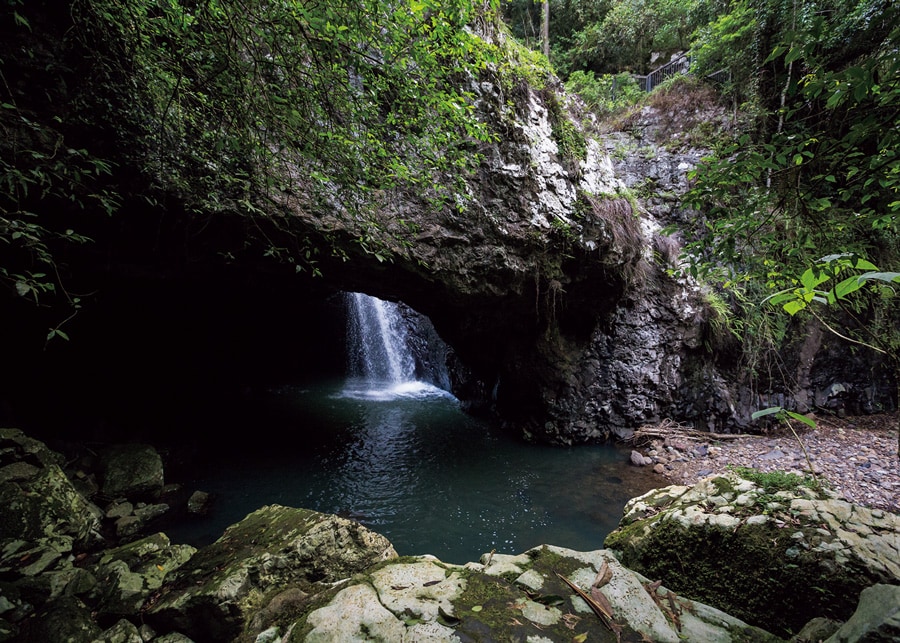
(545, 27)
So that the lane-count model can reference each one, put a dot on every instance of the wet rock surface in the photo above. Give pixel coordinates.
(132, 470)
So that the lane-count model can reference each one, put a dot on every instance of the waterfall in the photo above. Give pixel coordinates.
(382, 364)
(376, 340)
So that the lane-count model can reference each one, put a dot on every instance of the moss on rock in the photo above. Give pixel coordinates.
(773, 564)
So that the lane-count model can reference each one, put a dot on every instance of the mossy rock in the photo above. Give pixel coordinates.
(507, 598)
(47, 505)
(214, 596)
(776, 560)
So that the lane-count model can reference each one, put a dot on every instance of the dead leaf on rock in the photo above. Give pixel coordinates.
(652, 587)
(603, 576)
(570, 620)
(601, 599)
(604, 614)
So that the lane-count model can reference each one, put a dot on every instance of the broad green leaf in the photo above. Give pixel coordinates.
(794, 307)
(780, 297)
(793, 54)
(880, 276)
(772, 410)
(847, 286)
(863, 264)
(812, 278)
(802, 418)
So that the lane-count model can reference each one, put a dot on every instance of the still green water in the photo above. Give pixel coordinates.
(409, 464)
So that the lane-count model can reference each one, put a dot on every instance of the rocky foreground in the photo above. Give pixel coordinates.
(749, 557)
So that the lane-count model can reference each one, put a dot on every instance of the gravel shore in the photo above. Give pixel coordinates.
(855, 456)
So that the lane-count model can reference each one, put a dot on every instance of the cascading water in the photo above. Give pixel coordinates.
(376, 340)
(381, 363)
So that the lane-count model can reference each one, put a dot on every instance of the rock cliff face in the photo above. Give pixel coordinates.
(549, 282)
(518, 280)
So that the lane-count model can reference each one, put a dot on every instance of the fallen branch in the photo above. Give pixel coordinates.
(605, 616)
(670, 429)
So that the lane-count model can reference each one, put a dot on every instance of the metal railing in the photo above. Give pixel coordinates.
(680, 65)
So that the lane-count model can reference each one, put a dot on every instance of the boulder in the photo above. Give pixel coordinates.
(876, 619)
(273, 550)
(198, 503)
(816, 631)
(136, 521)
(44, 505)
(133, 471)
(18, 449)
(128, 575)
(508, 598)
(64, 620)
(774, 558)
(122, 632)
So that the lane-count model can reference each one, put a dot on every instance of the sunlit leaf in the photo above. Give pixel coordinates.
(802, 418)
(772, 410)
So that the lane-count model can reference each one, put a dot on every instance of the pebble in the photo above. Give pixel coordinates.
(856, 457)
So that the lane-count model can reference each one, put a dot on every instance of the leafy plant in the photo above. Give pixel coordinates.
(605, 94)
(772, 482)
(811, 291)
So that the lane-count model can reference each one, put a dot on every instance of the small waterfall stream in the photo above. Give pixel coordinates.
(376, 341)
(381, 364)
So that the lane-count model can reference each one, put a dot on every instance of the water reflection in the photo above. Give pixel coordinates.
(424, 474)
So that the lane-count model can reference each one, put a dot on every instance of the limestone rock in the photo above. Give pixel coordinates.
(876, 619)
(47, 505)
(16, 447)
(639, 460)
(129, 574)
(198, 503)
(65, 620)
(133, 471)
(274, 549)
(816, 631)
(508, 598)
(122, 632)
(40, 504)
(758, 553)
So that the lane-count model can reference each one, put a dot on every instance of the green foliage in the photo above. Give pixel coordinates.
(723, 44)
(571, 142)
(774, 481)
(240, 107)
(809, 288)
(821, 172)
(846, 292)
(606, 94)
(609, 37)
(39, 170)
(723, 324)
